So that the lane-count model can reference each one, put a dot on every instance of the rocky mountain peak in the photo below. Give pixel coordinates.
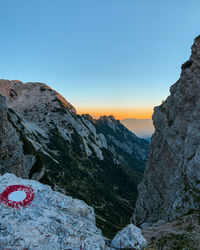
(170, 187)
(88, 117)
(23, 97)
(110, 120)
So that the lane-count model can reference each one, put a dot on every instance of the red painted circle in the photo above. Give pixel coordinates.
(10, 189)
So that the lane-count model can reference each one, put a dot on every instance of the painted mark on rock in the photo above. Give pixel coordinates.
(17, 196)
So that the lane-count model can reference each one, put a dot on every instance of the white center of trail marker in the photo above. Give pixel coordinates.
(17, 196)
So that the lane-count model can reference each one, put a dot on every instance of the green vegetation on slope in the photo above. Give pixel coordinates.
(110, 188)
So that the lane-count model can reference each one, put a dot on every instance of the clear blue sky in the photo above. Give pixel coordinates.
(99, 54)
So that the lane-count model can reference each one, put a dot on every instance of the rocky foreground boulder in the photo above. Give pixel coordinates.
(51, 221)
(35, 217)
(129, 237)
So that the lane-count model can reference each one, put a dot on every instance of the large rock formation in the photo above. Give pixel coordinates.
(51, 221)
(93, 160)
(12, 158)
(171, 184)
(35, 217)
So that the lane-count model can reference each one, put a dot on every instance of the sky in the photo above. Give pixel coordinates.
(106, 57)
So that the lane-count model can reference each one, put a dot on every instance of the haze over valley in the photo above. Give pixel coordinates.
(141, 127)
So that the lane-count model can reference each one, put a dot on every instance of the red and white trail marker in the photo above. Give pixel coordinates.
(17, 196)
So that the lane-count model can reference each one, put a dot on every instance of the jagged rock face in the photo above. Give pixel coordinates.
(12, 159)
(70, 153)
(51, 221)
(171, 184)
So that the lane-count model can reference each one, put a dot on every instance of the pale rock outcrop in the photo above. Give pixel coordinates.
(129, 237)
(54, 221)
(171, 184)
(51, 221)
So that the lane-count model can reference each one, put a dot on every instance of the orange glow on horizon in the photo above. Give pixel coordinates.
(118, 114)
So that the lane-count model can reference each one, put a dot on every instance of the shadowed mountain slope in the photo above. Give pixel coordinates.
(87, 159)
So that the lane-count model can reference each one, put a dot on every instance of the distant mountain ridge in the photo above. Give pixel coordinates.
(98, 161)
(124, 144)
(143, 128)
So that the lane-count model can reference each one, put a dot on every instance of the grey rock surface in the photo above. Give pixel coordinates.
(51, 221)
(171, 184)
(129, 237)
(11, 151)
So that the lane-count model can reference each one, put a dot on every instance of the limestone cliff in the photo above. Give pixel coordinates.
(171, 184)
